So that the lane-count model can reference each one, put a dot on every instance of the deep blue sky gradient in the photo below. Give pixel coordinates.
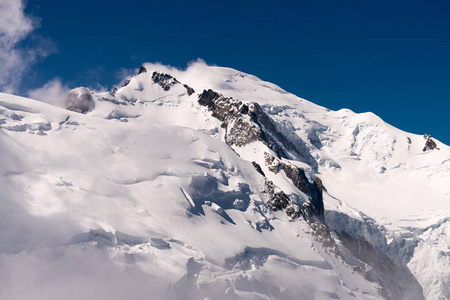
(388, 57)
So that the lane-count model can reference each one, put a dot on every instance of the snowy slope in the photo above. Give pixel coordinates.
(149, 193)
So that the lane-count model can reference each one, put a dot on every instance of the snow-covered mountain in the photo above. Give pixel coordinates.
(208, 183)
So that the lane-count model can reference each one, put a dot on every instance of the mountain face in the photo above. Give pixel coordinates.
(209, 183)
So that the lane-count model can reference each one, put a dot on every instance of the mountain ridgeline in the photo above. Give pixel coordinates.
(211, 183)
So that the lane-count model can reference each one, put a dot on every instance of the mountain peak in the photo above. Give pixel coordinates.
(209, 182)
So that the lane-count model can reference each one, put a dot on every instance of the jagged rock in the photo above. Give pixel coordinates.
(115, 89)
(126, 83)
(189, 90)
(164, 80)
(207, 98)
(142, 70)
(429, 144)
(299, 179)
(272, 163)
(278, 200)
(258, 168)
(294, 212)
(246, 123)
(79, 100)
(242, 130)
(309, 211)
(224, 109)
(274, 139)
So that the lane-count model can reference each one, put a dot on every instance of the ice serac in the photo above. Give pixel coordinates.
(211, 183)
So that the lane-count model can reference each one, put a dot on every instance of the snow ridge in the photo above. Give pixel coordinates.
(204, 183)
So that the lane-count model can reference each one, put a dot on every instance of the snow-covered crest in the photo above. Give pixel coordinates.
(151, 186)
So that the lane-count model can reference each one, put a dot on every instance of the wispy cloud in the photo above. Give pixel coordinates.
(53, 92)
(16, 59)
(124, 74)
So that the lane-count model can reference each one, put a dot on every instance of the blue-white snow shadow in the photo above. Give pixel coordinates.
(205, 190)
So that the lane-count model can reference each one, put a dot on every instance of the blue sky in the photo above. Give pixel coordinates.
(388, 57)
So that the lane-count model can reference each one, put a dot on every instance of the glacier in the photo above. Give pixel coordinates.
(209, 183)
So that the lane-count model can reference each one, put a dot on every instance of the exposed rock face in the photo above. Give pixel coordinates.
(299, 179)
(166, 81)
(312, 211)
(258, 168)
(189, 90)
(126, 83)
(246, 123)
(142, 70)
(222, 108)
(278, 200)
(79, 100)
(429, 144)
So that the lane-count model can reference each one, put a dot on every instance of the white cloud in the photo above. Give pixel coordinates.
(125, 74)
(53, 92)
(15, 27)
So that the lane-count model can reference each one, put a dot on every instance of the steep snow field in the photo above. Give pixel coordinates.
(142, 197)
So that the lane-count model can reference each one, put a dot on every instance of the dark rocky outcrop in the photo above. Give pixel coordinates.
(314, 190)
(297, 175)
(312, 211)
(142, 70)
(429, 144)
(126, 83)
(189, 90)
(224, 109)
(258, 168)
(277, 199)
(166, 82)
(246, 123)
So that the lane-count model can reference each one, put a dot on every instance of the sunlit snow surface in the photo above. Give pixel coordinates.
(140, 197)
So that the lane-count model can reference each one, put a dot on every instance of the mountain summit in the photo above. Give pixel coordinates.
(209, 183)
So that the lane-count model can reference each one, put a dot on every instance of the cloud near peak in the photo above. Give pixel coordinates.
(53, 92)
(15, 59)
